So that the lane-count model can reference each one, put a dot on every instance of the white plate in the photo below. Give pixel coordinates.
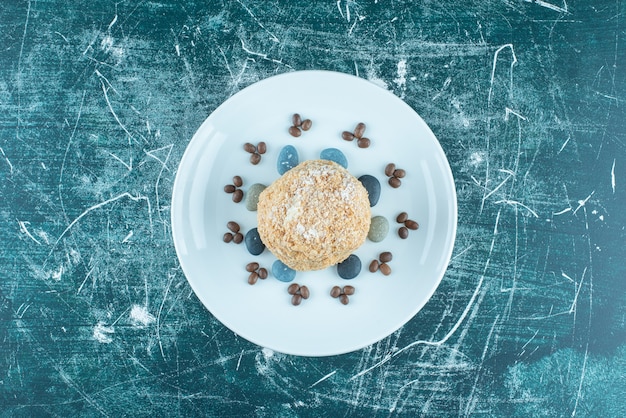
(335, 102)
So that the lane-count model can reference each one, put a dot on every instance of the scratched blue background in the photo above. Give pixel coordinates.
(98, 100)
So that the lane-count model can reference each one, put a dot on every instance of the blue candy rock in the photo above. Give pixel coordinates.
(253, 242)
(333, 154)
(349, 268)
(283, 272)
(287, 159)
(372, 185)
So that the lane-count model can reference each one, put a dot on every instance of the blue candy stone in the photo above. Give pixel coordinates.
(283, 272)
(287, 159)
(372, 185)
(333, 154)
(253, 242)
(349, 268)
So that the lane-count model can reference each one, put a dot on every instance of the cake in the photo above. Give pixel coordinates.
(314, 216)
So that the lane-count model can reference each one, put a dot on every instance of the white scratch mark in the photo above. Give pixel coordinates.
(128, 166)
(106, 97)
(239, 361)
(564, 144)
(339, 8)
(613, 176)
(562, 212)
(582, 378)
(262, 55)
(177, 48)
(99, 205)
(572, 308)
(549, 5)
(496, 188)
(7, 160)
(127, 238)
(140, 317)
(102, 333)
(514, 202)
(112, 23)
(84, 281)
(25, 230)
(582, 203)
(323, 378)
(508, 111)
(272, 36)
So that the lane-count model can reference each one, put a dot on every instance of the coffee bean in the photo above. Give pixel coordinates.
(374, 266)
(389, 169)
(253, 277)
(228, 237)
(399, 173)
(237, 181)
(359, 130)
(363, 142)
(296, 119)
(233, 226)
(296, 300)
(335, 291)
(255, 158)
(411, 224)
(293, 288)
(295, 131)
(238, 238)
(403, 232)
(395, 182)
(248, 147)
(237, 195)
(304, 292)
(263, 273)
(348, 290)
(230, 188)
(402, 217)
(261, 148)
(306, 124)
(250, 267)
(385, 257)
(348, 136)
(385, 269)
(344, 299)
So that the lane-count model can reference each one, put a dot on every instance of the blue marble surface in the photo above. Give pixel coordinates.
(98, 101)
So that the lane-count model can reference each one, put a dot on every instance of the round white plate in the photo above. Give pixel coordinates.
(262, 313)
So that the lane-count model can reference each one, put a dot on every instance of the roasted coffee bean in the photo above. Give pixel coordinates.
(238, 238)
(253, 277)
(248, 147)
(411, 224)
(359, 130)
(306, 124)
(237, 195)
(385, 257)
(344, 299)
(363, 142)
(255, 158)
(348, 290)
(233, 226)
(374, 266)
(237, 181)
(395, 182)
(230, 188)
(403, 232)
(402, 217)
(228, 237)
(399, 173)
(263, 273)
(261, 148)
(385, 269)
(389, 169)
(293, 288)
(295, 131)
(296, 119)
(348, 136)
(335, 291)
(296, 299)
(250, 267)
(304, 292)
